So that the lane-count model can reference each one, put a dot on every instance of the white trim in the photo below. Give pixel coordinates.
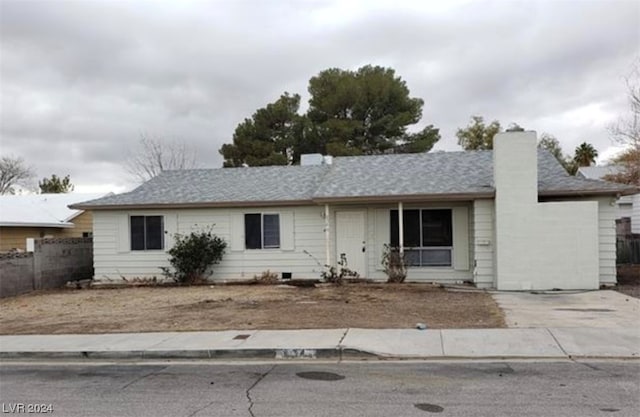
(50, 225)
(74, 215)
(327, 236)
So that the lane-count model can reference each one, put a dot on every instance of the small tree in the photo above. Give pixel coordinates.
(477, 135)
(55, 185)
(394, 264)
(193, 255)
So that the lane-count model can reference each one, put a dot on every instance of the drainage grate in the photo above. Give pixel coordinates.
(320, 376)
(431, 408)
(586, 310)
(242, 337)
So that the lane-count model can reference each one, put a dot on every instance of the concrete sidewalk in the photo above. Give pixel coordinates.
(533, 343)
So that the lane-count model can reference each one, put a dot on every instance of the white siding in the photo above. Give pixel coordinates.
(301, 230)
(379, 234)
(460, 220)
(635, 214)
(483, 243)
(607, 240)
(304, 257)
(112, 258)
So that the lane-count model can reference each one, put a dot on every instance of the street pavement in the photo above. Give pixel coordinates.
(460, 388)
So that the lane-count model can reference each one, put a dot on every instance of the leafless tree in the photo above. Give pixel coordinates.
(155, 155)
(627, 129)
(13, 172)
(627, 132)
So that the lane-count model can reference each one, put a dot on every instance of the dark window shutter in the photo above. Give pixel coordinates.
(253, 231)
(137, 232)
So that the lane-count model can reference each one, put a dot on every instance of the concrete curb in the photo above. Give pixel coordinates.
(273, 354)
(222, 354)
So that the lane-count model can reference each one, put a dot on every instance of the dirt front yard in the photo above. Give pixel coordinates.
(246, 307)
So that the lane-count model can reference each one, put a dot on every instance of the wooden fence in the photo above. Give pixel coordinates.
(628, 249)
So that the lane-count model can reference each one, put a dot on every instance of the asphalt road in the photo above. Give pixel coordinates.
(396, 389)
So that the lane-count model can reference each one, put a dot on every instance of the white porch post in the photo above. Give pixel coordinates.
(400, 228)
(327, 246)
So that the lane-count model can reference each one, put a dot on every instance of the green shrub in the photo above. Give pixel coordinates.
(193, 255)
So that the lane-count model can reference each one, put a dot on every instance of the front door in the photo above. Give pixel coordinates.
(350, 240)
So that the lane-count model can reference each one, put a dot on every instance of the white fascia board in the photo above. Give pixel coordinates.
(50, 225)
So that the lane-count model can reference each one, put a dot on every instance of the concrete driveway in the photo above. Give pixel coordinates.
(608, 308)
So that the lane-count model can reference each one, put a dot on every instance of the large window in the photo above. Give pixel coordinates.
(262, 231)
(428, 237)
(147, 232)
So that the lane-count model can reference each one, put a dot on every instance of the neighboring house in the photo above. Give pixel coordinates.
(31, 216)
(628, 206)
(510, 219)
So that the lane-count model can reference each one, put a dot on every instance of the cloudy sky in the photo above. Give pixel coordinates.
(80, 81)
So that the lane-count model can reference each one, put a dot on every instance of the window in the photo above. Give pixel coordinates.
(262, 231)
(147, 232)
(428, 237)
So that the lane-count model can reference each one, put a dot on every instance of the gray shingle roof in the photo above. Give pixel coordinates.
(223, 185)
(425, 174)
(597, 172)
(409, 174)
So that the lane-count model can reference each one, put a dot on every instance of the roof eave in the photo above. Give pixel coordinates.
(585, 193)
(406, 198)
(350, 199)
(224, 204)
(48, 225)
(74, 215)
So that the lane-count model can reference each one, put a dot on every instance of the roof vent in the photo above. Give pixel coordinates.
(313, 159)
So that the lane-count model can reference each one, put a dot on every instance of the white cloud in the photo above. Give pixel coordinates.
(82, 81)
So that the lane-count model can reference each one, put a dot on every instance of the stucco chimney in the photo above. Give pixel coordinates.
(311, 159)
(315, 159)
(515, 167)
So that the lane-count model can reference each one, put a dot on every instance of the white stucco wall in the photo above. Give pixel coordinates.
(539, 245)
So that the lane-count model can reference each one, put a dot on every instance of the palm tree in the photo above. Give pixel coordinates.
(585, 155)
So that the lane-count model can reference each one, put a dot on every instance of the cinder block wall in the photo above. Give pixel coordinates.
(16, 273)
(52, 263)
